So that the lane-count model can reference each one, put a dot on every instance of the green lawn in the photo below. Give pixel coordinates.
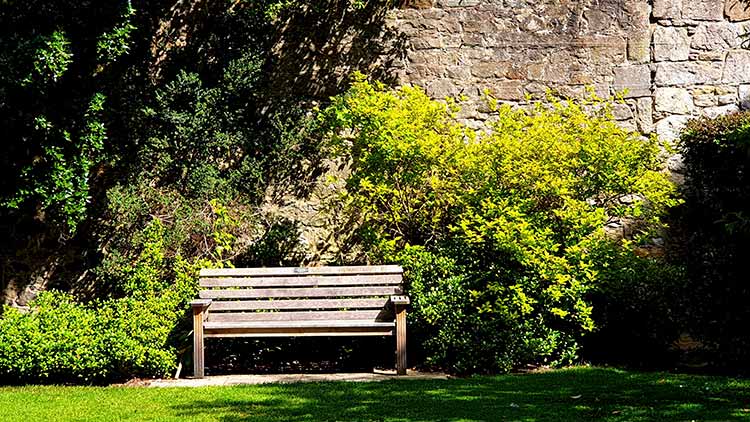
(579, 394)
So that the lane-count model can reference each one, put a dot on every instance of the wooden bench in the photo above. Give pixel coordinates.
(294, 302)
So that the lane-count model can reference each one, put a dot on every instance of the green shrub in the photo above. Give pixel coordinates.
(716, 225)
(512, 218)
(638, 305)
(137, 332)
(59, 340)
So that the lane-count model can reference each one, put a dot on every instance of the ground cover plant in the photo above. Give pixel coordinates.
(580, 394)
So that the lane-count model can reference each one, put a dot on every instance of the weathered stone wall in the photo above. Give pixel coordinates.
(674, 58)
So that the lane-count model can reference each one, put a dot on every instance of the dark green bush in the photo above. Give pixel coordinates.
(716, 224)
(452, 330)
(638, 307)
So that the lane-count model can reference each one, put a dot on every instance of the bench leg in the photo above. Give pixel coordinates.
(401, 340)
(198, 363)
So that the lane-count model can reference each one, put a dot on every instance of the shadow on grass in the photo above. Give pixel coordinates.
(570, 395)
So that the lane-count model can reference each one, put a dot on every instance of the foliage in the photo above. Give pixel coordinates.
(51, 59)
(203, 140)
(638, 304)
(715, 220)
(132, 157)
(60, 178)
(115, 43)
(513, 216)
(136, 332)
(60, 340)
(276, 8)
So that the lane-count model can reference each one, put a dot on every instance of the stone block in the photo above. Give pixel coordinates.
(737, 10)
(645, 114)
(536, 71)
(536, 90)
(711, 56)
(416, 4)
(627, 125)
(676, 165)
(479, 23)
(705, 96)
(667, 9)
(426, 40)
(745, 97)
(726, 95)
(737, 67)
(487, 69)
(688, 73)
(639, 14)
(714, 112)
(670, 128)
(507, 90)
(622, 111)
(716, 36)
(639, 47)
(581, 78)
(703, 10)
(635, 80)
(442, 88)
(673, 101)
(671, 44)
(473, 39)
(458, 72)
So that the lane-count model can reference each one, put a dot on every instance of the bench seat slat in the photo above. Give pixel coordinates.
(296, 324)
(372, 315)
(312, 281)
(250, 305)
(301, 292)
(307, 332)
(297, 271)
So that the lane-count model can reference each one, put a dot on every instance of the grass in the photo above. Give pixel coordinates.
(579, 394)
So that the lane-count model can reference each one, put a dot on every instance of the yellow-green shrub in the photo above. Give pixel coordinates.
(514, 214)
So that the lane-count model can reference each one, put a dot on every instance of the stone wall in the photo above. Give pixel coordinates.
(673, 58)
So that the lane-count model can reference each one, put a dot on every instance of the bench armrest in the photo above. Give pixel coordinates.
(400, 300)
(200, 304)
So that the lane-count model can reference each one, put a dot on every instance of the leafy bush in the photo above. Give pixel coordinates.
(638, 304)
(60, 340)
(511, 218)
(136, 332)
(716, 224)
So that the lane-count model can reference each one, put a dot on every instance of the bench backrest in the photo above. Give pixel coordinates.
(297, 293)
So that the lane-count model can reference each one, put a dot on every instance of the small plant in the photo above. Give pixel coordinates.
(51, 59)
(117, 42)
(59, 180)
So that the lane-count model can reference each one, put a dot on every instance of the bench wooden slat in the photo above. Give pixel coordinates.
(292, 271)
(371, 315)
(250, 305)
(346, 280)
(328, 324)
(301, 292)
(300, 332)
